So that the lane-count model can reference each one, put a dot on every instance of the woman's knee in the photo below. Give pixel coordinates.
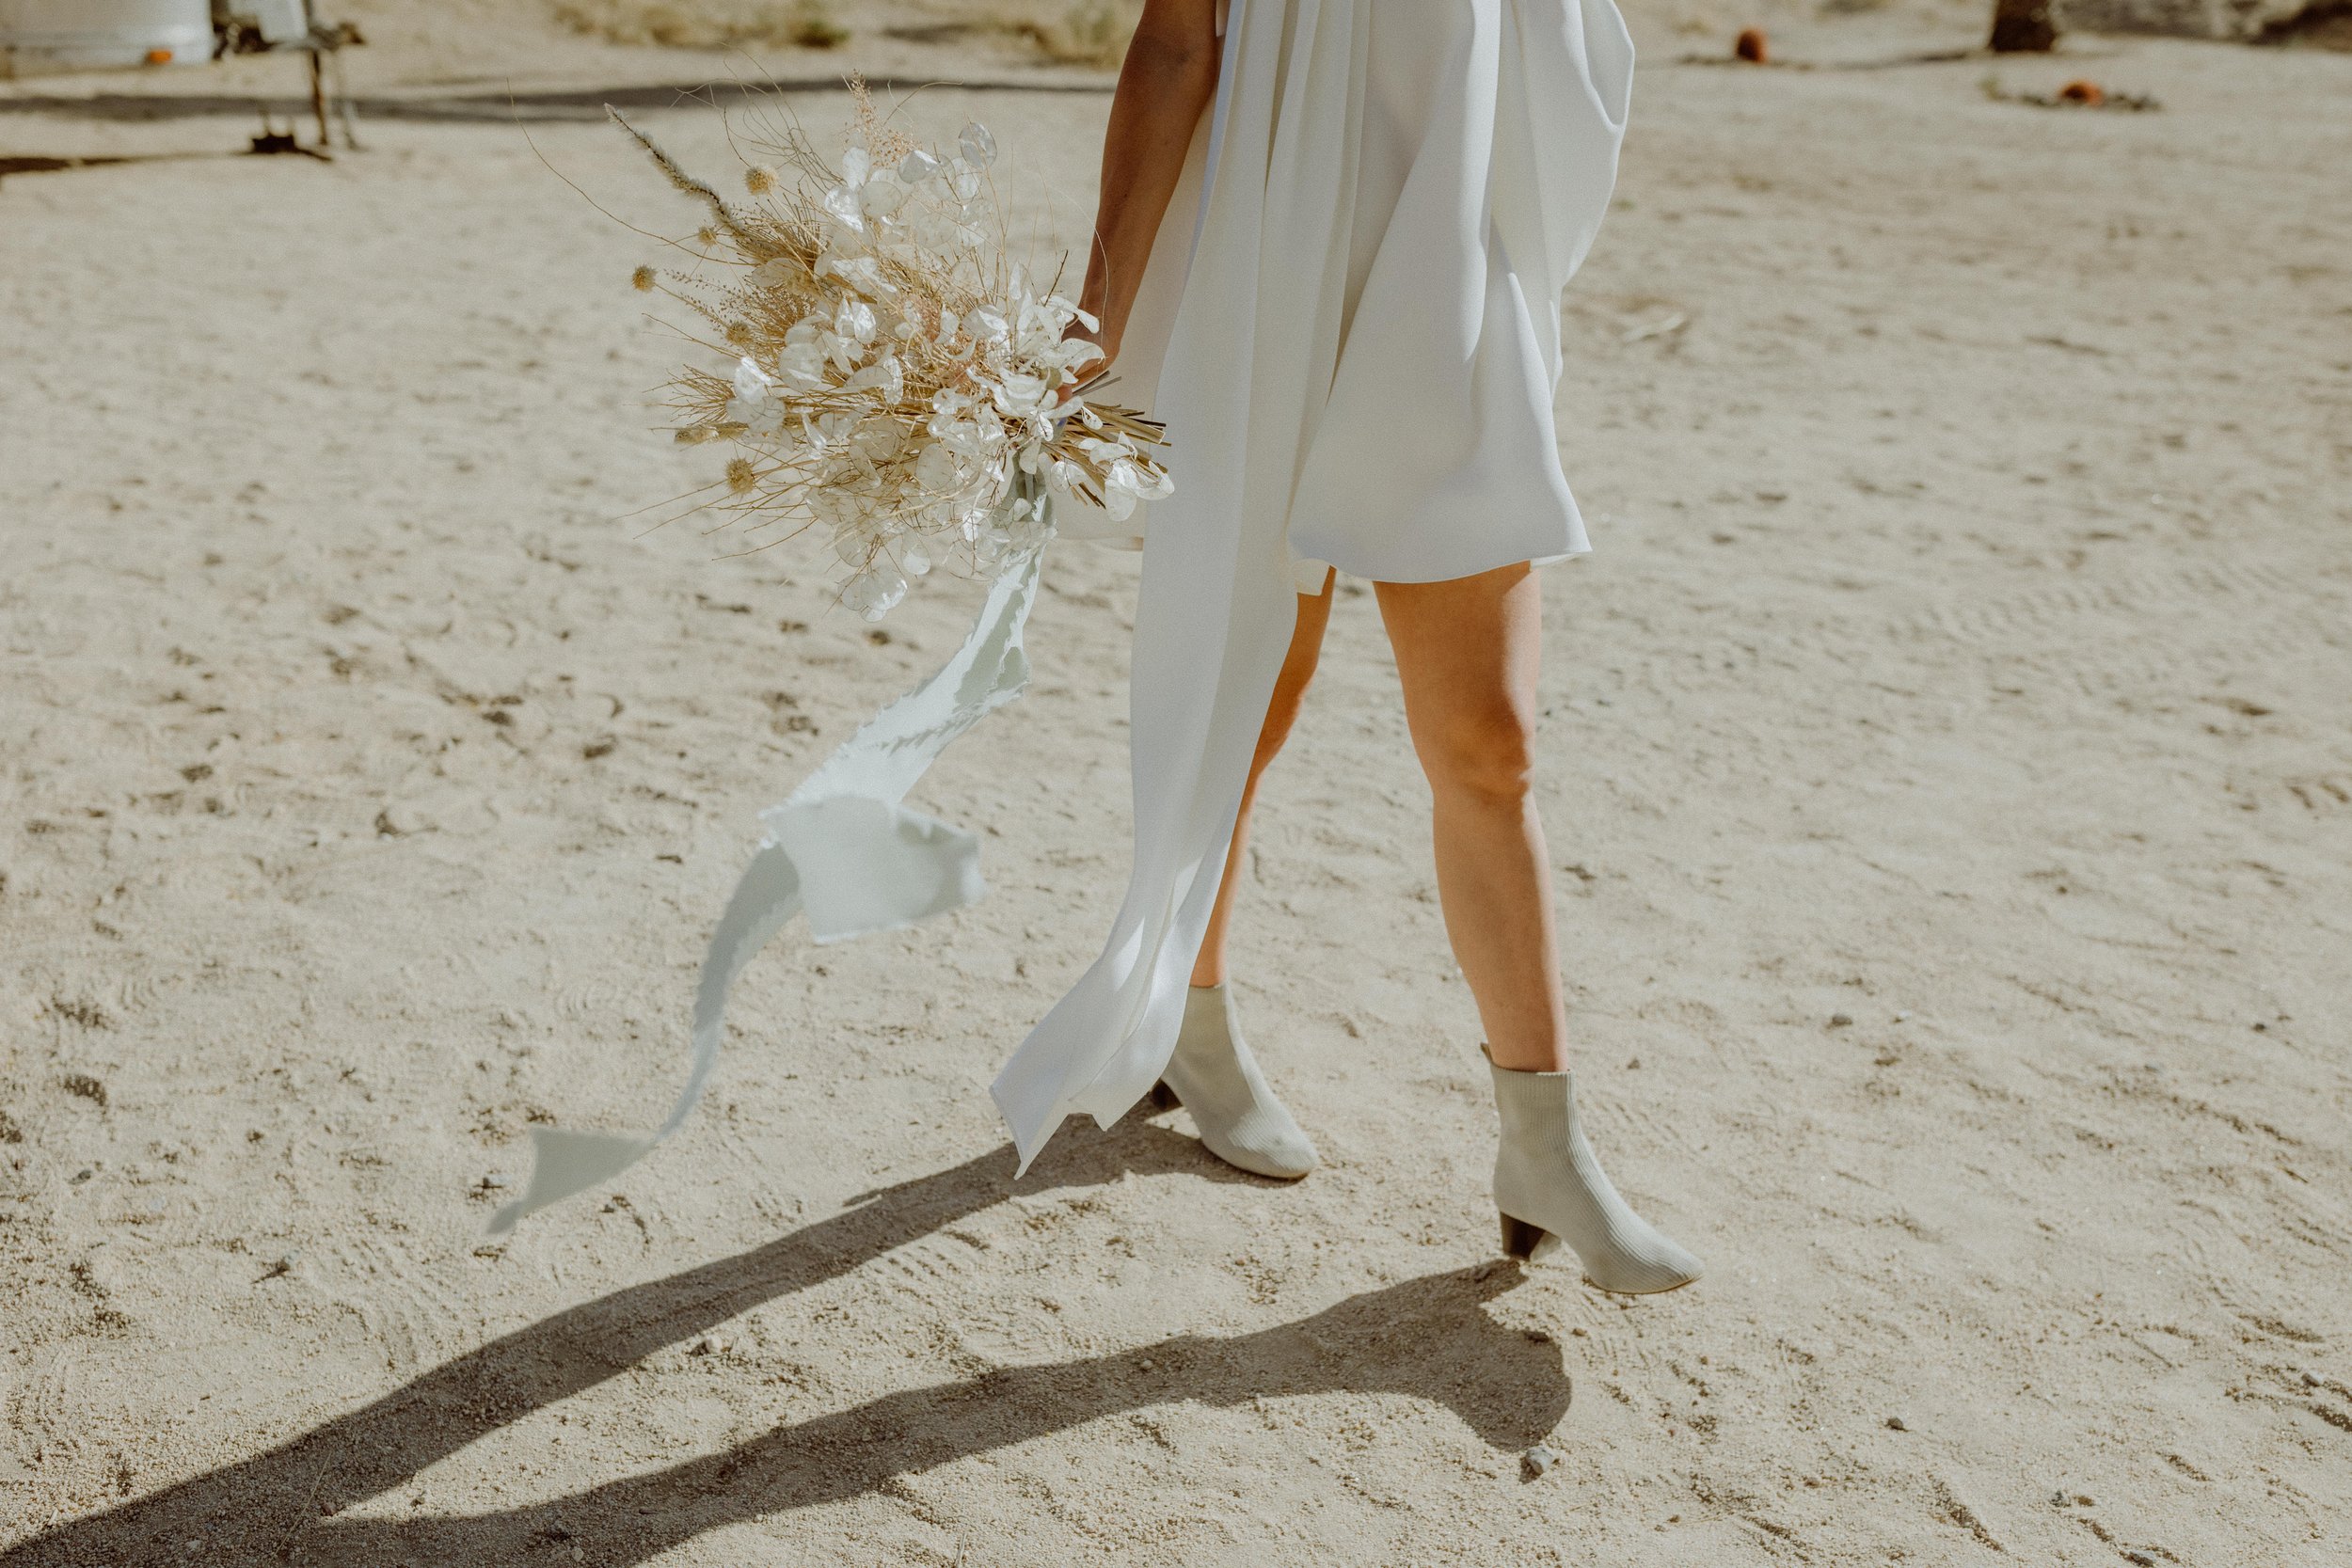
(1486, 753)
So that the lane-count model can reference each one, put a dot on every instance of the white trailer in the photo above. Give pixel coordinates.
(40, 38)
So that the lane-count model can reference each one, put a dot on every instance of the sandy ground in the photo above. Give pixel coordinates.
(1949, 766)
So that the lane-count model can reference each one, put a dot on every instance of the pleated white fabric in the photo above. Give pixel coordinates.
(1355, 340)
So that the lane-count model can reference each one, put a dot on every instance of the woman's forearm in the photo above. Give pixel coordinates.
(1167, 81)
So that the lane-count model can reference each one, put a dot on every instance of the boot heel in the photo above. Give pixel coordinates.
(1520, 1239)
(1162, 1097)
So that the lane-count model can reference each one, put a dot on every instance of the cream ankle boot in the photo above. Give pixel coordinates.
(1214, 1076)
(1551, 1189)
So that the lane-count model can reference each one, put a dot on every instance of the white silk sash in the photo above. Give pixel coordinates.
(842, 850)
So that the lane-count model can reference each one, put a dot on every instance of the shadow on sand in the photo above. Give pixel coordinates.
(1425, 1337)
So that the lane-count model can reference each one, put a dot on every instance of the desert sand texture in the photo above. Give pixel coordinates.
(1949, 765)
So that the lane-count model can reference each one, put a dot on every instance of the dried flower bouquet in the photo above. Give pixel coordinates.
(898, 382)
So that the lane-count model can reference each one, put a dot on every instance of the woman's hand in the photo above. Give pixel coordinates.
(1094, 370)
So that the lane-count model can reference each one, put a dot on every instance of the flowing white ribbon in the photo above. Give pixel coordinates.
(842, 850)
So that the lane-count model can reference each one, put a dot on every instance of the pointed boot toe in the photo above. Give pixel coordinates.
(1214, 1076)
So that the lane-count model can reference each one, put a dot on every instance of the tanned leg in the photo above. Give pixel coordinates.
(1289, 690)
(1467, 653)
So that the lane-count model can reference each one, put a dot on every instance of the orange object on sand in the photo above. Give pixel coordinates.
(1751, 47)
(2079, 91)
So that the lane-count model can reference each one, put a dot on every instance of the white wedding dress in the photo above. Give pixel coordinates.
(1350, 323)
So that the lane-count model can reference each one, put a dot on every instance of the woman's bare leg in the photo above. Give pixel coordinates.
(1289, 690)
(1467, 652)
